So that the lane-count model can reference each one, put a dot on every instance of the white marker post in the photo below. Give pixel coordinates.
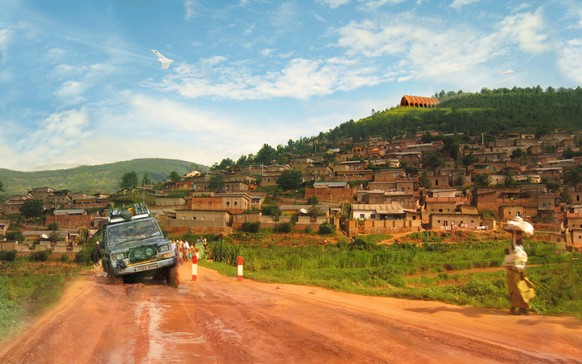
(240, 268)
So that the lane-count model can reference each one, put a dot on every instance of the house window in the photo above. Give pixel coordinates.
(362, 216)
(436, 182)
(440, 210)
(235, 203)
(372, 216)
(227, 203)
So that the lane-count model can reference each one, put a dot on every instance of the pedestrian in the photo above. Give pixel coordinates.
(96, 255)
(186, 251)
(521, 289)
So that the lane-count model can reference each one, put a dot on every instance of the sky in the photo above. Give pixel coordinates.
(79, 84)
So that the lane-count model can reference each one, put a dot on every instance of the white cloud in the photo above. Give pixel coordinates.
(569, 60)
(334, 4)
(376, 4)
(190, 8)
(457, 4)
(528, 30)
(5, 35)
(300, 78)
(71, 92)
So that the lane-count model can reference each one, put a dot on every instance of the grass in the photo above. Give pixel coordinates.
(27, 289)
(451, 273)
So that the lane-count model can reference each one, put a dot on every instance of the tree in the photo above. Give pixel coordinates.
(573, 175)
(32, 208)
(129, 181)
(1, 186)
(432, 160)
(216, 183)
(518, 154)
(290, 180)
(15, 235)
(424, 180)
(146, 180)
(225, 163)
(266, 155)
(481, 180)
(174, 176)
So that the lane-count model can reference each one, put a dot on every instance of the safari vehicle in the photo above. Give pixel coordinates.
(135, 247)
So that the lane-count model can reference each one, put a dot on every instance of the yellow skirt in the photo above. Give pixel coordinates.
(521, 289)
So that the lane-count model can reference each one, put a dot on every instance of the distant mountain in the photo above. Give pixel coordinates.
(102, 178)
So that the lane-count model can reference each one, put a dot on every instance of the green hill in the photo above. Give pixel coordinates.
(488, 114)
(102, 178)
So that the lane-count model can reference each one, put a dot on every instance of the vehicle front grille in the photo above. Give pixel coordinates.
(142, 253)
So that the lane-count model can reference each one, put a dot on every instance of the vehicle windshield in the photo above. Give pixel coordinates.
(132, 231)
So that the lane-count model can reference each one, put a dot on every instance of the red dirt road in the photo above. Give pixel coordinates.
(218, 319)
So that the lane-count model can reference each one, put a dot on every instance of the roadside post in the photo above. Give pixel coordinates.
(240, 268)
(194, 266)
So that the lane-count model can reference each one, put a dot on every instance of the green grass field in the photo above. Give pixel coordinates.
(463, 273)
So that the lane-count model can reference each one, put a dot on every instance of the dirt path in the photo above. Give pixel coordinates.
(218, 319)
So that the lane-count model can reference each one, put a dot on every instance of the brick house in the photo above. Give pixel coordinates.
(13, 205)
(454, 220)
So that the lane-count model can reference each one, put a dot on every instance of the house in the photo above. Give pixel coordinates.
(201, 221)
(573, 225)
(319, 170)
(454, 220)
(390, 211)
(379, 197)
(4, 225)
(13, 205)
(332, 191)
(233, 202)
(381, 219)
(303, 210)
(70, 218)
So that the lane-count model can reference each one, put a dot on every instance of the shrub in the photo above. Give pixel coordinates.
(84, 256)
(251, 227)
(326, 229)
(284, 227)
(362, 244)
(40, 256)
(8, 255)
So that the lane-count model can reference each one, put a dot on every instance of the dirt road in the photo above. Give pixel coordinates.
(218, 319)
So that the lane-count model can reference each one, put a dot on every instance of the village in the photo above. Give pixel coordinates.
(374, 186)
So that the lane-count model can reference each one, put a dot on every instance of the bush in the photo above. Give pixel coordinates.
(251, 227)
(284, 227)
(8, 255)
(40, 256)
(362, 244)
(326, 229)
(84, 256)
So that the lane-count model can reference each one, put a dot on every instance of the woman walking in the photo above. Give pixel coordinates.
(521, 289)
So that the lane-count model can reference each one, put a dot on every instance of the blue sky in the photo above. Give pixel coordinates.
(79, 84)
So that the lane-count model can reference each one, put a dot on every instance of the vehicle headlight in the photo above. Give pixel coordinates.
(119, 256)
(164, 248)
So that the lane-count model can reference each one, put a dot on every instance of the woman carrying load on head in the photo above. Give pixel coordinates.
(521, 289)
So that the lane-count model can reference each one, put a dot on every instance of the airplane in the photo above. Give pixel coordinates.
(163, 59)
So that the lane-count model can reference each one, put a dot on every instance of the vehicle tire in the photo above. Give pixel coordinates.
(111, 278)
(172, 278)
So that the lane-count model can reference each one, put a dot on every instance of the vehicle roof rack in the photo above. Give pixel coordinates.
(135, 211)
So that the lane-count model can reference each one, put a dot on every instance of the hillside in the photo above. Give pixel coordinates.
(487, 114)
(102, 178)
